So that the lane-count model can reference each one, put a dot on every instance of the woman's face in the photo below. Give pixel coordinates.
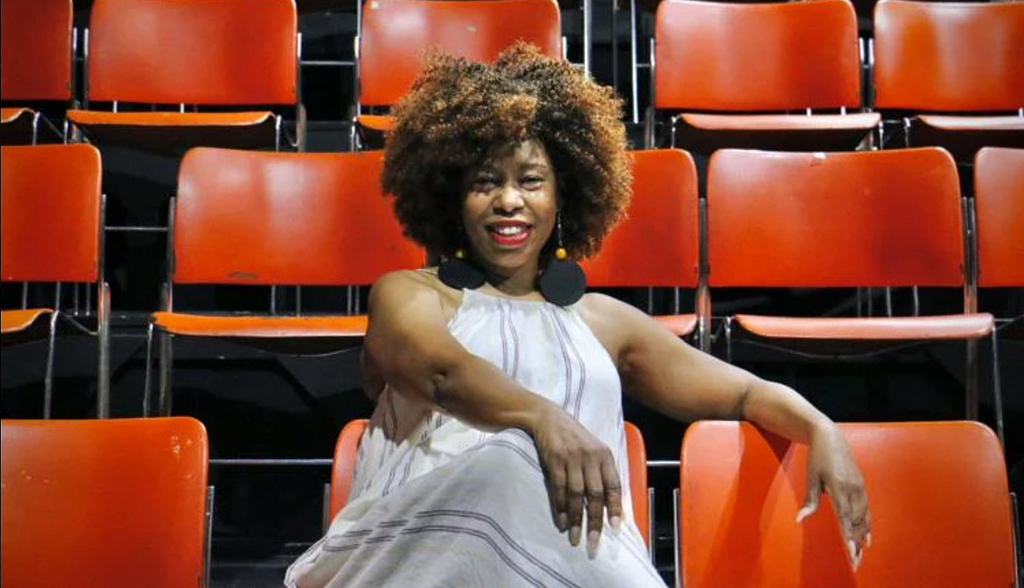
(510, 207)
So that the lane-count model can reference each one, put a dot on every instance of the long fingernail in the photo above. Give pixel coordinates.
(803, 514)
(867, 539)
(616, 522)
(574, 535)
(592, 539)
(563, 522)
(851, 547)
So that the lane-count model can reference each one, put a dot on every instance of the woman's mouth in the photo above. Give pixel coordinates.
(509, 233)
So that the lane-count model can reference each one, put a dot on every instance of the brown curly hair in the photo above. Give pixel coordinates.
(458, 110)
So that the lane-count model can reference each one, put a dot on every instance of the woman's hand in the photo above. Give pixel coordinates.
(830, 466)
(580, 473)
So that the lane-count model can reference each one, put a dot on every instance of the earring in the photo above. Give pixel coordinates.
(563, 281)
(457, 272)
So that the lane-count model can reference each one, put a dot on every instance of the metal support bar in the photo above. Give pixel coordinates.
(588, 17)
(633, 40)
(326, 517)
(147, 386)
(675, 536)
(208, 534)
(650, 526)
(997, 392)
(48, 377)
(300, 462)
(103, 336)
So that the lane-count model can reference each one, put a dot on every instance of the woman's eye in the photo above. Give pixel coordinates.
(532, 181)
(484, 184)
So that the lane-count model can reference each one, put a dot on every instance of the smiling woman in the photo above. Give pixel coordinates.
(497, 444)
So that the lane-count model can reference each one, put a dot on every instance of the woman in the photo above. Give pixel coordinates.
(496, 450)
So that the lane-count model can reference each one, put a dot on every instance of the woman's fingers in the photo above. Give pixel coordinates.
(558, 493)
(612, 491)
(595, 504)
(577, 487)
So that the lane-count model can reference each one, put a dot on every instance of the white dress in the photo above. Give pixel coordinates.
(436, 502)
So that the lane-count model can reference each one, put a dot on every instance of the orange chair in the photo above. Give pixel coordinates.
(351, 435)
(860, 219)
(657, 244)
(938, 498)
(738, 71)
(216, 53)
(51, 230)
(999, 224)
(270, 219)
(36, 51)
(104, 503)
(395, 34)
(944, 60)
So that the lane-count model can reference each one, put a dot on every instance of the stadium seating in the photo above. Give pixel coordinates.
(938, 494)
(276, 219)
(750, 75)
(92, 503)
(52, 214)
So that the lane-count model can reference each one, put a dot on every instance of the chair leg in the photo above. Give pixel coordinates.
(166, 357)
(48, 377)
(147, 386)
(728, 339)
(208, 535)
(675, 537)
(650, 525)
(971, 380)
(997, 393)
(103, 370)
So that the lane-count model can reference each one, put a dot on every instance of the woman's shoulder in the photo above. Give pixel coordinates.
(404, 285)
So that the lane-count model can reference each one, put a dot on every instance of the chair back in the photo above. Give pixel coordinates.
(938, 498)
(396, 34)
(756, 57)
(50, 222)
(35, 50)
(304, 219)
(999, 206)
(949, 56)
(867, 218)
(657, 244)
(212, 52)
(98, 503)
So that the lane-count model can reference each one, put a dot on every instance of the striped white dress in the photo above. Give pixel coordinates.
(436, 502)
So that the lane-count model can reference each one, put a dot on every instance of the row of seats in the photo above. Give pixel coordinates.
(880, 219)
(125, 502)
(723, 66)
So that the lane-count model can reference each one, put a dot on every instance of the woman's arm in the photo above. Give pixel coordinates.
(677, 380)
(409, 344)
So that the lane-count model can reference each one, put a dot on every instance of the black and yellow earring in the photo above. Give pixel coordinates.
(458, 272)
(563, 281)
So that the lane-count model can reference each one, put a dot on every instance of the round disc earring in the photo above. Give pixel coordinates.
(563, 281)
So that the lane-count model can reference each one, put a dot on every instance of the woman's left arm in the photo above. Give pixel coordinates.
(677, 380)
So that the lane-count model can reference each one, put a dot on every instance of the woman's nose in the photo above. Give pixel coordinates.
(509, 199)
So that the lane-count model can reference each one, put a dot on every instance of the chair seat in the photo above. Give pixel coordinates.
(178, 131)
(681, 325)
(963, 136)
(258, 327)
(957, 326)
(16, 126)
(9, 115)
(375, 122)
(16, 321)
(708, 132)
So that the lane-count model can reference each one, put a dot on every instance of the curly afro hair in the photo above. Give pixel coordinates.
(457, 111)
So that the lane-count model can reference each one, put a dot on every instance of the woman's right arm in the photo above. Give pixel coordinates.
(409, 343)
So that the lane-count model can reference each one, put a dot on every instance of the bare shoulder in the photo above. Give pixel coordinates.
(612, 321)
(422, 288)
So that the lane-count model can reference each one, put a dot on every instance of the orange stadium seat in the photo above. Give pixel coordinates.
(748, 75)
(187, 54)
(873, 219)
(93, 503)
(51, 230)
(35, 58)
(658, 243)
(395, 34)
(348, 445)
(938, 496)
(952, 72)
(277, 219)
